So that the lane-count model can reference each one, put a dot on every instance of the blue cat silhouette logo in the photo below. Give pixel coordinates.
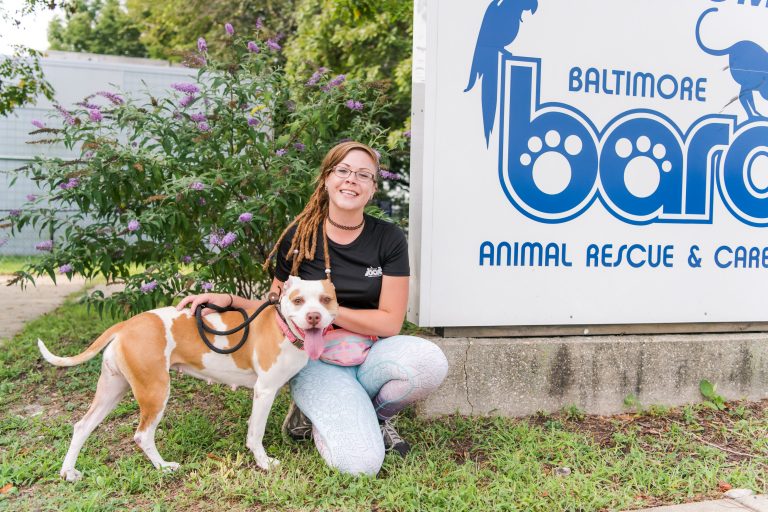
(554, 162)
(748, 63)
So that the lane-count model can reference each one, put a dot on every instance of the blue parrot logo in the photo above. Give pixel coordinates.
(500, 26)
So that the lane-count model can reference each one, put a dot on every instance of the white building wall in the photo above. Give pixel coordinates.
(73, 77)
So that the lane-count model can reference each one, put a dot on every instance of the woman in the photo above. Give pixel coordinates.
(348, 409)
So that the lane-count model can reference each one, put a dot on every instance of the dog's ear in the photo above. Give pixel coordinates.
(292, 280)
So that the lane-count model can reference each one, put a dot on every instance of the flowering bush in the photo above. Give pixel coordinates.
(186, 193)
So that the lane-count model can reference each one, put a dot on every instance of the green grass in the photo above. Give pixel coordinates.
(10, 264)
(457, 463)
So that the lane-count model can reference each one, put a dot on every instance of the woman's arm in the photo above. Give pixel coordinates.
(385, 321)
(223, 300)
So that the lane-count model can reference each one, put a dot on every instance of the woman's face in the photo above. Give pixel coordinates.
(352, 192)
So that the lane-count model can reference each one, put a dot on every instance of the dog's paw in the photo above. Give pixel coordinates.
(267, 463)
(71, 475)
(169, 467)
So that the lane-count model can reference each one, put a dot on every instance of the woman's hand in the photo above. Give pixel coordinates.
(217, 299)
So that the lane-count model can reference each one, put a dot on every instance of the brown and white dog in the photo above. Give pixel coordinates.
(141, 351)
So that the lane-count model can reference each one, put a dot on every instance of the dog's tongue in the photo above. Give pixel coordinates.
(313, 343)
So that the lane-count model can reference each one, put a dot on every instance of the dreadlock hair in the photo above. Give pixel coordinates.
(308, 222)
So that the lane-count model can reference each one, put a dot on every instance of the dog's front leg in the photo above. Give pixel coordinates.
(263, 397)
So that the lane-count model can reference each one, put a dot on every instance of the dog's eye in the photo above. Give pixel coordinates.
(298, 301)
(325, 299)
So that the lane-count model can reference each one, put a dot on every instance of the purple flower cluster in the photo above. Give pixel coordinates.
(227, 240)
(31, 197)
(38, 124)
(229, 28)
(72, 183)
(252, 121)
(86, 104)
(245, 217)
(299, 146)
(272, 45)
(389, 175)
(198, 117)
(253, 47)
(65, 268)
(316, 76)
(66, 114)
(44, 246)
(95, 115)
(186, 100)
(407, 134)
(112, 97)
(185, 87)
(259, 23)
(148, 287)
(88, 154)
(354, 105)
(133, 225)
(201, 201)
(281, 152)
(204, 127)
(197, 186)
(335, 82)
(186, 259)
(14, 213)
(219, 239)
(202, 46)
(206, 286)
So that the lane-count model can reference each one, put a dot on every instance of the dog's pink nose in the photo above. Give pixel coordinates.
(313, 318)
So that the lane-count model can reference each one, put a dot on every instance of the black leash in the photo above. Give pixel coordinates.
(272, 299)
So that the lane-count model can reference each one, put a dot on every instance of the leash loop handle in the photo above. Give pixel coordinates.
(202, 328)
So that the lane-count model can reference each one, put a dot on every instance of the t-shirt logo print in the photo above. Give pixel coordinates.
(373, 272)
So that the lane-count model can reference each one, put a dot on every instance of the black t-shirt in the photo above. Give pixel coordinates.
(356, 268)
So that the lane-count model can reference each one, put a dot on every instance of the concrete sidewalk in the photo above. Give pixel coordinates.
(20, 306)
(737, 500)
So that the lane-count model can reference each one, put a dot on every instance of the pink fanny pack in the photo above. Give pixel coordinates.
(346, 348)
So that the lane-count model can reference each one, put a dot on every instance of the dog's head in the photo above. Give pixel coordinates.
(310, 306)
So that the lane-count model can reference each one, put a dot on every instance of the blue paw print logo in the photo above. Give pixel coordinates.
(645, 163)
(550, 168)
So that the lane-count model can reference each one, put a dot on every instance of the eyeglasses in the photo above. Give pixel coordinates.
(344, 172)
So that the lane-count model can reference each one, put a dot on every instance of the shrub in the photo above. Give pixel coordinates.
(187, 192)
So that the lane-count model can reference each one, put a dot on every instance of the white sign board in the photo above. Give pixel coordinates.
(590, 162)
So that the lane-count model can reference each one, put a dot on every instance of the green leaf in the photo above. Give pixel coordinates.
(707, 389)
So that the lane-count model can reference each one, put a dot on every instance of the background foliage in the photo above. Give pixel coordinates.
(187, 192)
(160, 182)
(97, 27)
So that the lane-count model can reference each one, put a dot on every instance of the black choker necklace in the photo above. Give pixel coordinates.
(347, 228)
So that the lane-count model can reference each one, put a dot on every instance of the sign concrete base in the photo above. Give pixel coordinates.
(521, 376)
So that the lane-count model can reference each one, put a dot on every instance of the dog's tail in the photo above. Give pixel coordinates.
(89, 353)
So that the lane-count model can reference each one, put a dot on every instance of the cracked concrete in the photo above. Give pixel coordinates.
(466, 377)
(521, 376)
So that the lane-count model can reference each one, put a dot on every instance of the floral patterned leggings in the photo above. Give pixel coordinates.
(344, 403)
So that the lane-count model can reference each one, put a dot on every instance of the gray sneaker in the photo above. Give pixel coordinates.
(392, 440)
(296, 425)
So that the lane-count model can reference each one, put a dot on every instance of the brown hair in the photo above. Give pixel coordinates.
(304, 242)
